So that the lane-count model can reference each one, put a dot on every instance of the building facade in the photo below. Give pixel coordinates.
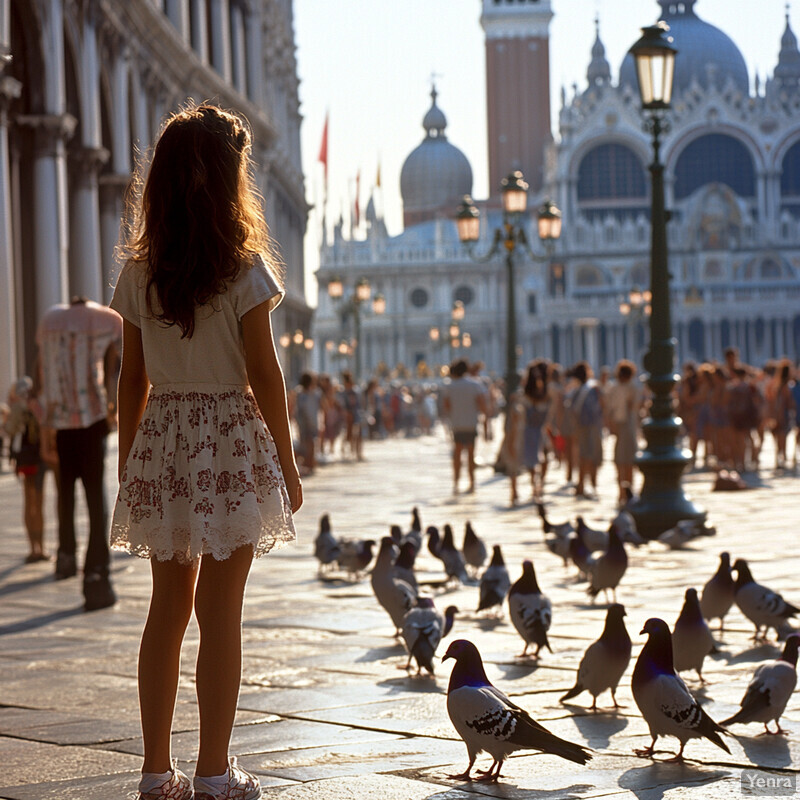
(732, 177)
(84, 87)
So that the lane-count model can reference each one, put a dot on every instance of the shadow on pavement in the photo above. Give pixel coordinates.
(653, 781)
(766, 751)
(40, 621)
(597, 728)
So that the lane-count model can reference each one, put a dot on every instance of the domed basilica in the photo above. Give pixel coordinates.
(732, 182)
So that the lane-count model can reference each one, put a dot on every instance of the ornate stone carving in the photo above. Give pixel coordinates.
(50, 130)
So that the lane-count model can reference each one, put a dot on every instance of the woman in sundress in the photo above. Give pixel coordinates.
(208, 478)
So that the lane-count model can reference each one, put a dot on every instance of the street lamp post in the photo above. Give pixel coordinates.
(636, 307)
(661, 503)
(361, 293)
(511, 235)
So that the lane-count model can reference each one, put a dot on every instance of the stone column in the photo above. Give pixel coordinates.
(112, 193)
(141, 123)
(51, 132)
(178, 14)
(9, 369)
(238, 55)
(255, 55)
(85, 262)
(221, 38)
(200, 29)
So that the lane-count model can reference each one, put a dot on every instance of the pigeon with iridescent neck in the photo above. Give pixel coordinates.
(662, 697)
(530, 609)
(763, 607)
(488, 721)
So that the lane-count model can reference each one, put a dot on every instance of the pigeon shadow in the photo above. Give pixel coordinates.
(489, 623)
(766, 751)
(411, 682)
(517, 670)
(511, 790)
(597, 727)
(380, 653)
(758, 653)
(653, 781)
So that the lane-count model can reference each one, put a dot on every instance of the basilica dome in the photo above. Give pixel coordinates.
(704, 52)
(436, 174)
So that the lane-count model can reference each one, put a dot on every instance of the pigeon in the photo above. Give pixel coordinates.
(488, 721)
(355, 555)
(423, 628)
(397, 534)
(719, 592)
(691, 637)
(560, 529)
(474, 549)
(605, 660)
(662, 697)
(395, 596)
(530, 610)
(581, 555)
(414, 535)
(434, 541)
(592, 538)
(326, 546)
(626, 528)
(403, 567)
(454, 564)
(763, 607)
(606, 572)
(685, 531)
(769, 690)
(559, 545)
(495, 582)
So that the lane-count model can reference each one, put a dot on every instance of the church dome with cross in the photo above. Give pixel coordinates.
(436, 174)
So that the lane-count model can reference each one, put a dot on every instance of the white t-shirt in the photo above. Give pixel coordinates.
(462, 394)
(215, 352)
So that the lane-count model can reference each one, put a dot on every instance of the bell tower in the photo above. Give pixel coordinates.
(517, 88)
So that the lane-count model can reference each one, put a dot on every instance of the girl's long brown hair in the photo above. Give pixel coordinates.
(197, 218)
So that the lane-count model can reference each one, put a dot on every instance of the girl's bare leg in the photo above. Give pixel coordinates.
(218, 606)
(160, 657)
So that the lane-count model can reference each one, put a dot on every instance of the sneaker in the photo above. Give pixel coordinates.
(173, 785)
(235, 784)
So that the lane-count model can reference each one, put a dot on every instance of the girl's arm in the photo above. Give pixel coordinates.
(131, 391)
(266, 381)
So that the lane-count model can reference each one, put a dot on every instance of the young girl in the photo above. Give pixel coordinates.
(207, 473)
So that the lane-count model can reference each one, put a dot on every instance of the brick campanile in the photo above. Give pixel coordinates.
(517, 88)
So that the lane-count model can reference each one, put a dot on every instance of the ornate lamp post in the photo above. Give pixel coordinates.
(360, 294)
(661, 502)
(511, 235)
(635, 308)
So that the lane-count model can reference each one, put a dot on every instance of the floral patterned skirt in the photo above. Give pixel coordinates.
(202, 477)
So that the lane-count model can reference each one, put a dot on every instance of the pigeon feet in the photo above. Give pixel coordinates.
(462, 776)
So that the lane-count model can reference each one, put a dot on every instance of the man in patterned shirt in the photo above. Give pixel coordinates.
(79, 358)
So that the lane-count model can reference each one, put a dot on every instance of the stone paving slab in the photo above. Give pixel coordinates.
(326, 708)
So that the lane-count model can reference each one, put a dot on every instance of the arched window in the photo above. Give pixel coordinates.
(611, 172)
(790, 172)
(588, 275)
(715, 158)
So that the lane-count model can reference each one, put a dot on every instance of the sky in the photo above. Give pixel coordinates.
(368, 65)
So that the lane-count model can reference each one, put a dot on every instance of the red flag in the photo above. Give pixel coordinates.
(323, 149)
(358, 207)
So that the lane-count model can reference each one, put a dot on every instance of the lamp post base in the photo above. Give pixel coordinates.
(662, 503)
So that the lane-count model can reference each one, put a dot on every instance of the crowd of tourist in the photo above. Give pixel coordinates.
(556, 418)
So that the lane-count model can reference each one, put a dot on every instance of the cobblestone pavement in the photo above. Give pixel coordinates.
(326, 710)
